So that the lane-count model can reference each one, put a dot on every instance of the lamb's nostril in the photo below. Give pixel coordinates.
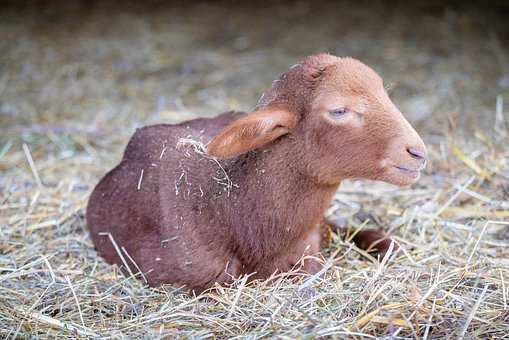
(417, 153)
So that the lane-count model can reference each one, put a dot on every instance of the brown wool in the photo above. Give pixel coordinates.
(209, 200)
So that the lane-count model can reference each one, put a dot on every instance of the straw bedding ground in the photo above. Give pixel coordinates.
(450, 277)
(72, 93)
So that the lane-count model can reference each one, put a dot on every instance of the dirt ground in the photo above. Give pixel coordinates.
(76, 79)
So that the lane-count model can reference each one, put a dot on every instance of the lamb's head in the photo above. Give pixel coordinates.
(339, 118)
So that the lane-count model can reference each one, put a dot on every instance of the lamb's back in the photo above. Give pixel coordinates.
(151, 142)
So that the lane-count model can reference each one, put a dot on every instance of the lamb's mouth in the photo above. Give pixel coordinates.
(408, 172)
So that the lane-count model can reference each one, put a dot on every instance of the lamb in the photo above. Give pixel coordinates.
(211, 199)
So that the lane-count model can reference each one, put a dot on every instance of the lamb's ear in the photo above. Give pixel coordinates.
(251, 131)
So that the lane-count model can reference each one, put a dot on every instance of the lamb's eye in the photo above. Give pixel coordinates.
(336, 113)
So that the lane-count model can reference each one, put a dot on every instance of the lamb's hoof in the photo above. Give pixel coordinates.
(374, 241)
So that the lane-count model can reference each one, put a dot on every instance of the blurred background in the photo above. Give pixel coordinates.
(102, 68)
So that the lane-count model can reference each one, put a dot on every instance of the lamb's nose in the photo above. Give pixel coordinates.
(418, 154)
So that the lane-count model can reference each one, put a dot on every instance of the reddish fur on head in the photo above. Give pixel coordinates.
(370, 140)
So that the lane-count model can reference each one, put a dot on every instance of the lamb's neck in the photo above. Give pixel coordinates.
(273, 188)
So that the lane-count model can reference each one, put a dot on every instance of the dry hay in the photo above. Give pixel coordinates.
(188, 144)
(449, 278)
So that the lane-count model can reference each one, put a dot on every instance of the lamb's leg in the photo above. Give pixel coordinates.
(375, 241)
(230, 272)
(311, 246)
(224, 271)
